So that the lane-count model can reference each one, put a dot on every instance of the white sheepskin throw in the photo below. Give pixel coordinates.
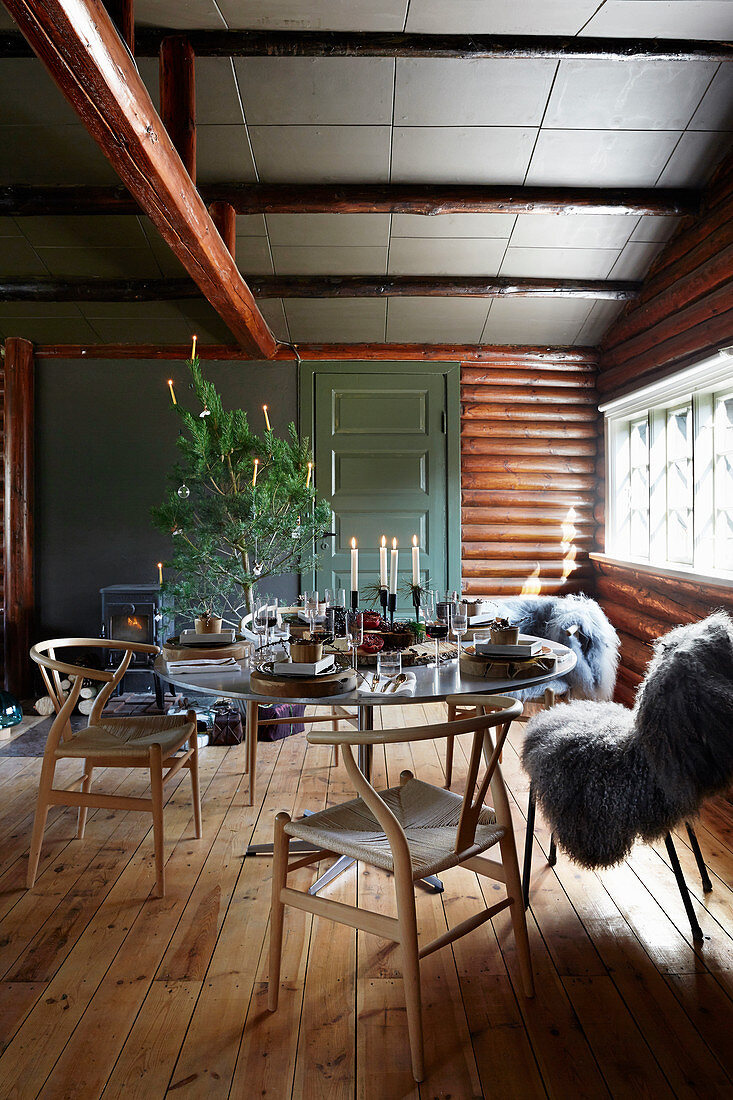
(605, 775)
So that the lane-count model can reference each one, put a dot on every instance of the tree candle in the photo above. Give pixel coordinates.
(354, 567)
(160, 572)
(267, 419)
(415, 563)
(308, 479)
(383, 563)
(193, 346)
(173, 392)
(254, 472)
(393, 569)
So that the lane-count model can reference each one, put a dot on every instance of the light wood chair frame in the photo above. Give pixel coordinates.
(489, 712)
(52, 670)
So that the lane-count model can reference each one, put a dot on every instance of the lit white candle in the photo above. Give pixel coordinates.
(415, 562)
(160, 572)
(308, 479)
(254, 472)
(173, 392)
(354, 567)
(194, 338)
(383, 563)
(393, 569)
(267, 419)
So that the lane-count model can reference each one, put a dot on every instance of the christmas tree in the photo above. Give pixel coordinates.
(242, 508)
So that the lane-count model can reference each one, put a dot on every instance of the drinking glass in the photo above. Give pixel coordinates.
(260, 616)
(311, 609)
(341, 597)
(389, 665)
(459, 623)
(354, 631)
(438, 625)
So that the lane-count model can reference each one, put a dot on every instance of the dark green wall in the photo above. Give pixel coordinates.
(105, 441)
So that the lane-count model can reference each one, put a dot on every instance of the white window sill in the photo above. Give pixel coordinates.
(678, 572)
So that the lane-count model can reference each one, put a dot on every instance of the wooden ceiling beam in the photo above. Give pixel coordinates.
(273, 198)
(374, 352)
(177, 80)
(272, 43)
(122, 14)
(80, 47)
(317, 286)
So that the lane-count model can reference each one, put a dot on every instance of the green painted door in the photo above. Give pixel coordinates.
(380, 443)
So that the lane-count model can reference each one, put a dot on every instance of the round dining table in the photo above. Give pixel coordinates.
(432, 685)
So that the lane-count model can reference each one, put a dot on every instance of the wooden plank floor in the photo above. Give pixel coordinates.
(106, 991)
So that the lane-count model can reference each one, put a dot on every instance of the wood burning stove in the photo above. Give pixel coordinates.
(132, 613)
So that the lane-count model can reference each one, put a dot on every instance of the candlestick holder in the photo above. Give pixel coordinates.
(392, 604)
(354, 599)
(383, 600)
(416, 600)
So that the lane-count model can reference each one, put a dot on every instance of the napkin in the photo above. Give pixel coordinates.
(406, 688)
(204, 664)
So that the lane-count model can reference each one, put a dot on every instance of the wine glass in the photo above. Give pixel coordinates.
(354, 631)
(260, 626)
(459, 622)
(437, 623)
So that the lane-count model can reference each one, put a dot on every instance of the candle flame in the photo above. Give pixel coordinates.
(194, 338)
(254, 472)
(267, 419)
(394, 544)
(384, 541)
(414, 540)
(173, 392)
(353, 544)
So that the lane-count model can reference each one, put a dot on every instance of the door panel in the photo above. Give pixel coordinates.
(380, 459)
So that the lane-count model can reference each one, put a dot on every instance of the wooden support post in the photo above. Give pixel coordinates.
(18, 576)
(122, 14)
(178, 97)
(78, 44)
(224, 217)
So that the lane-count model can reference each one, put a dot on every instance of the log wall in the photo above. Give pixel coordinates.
(528, 471)
(684, 313)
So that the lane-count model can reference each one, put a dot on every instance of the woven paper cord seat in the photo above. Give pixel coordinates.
(127, 737)
(429, 816)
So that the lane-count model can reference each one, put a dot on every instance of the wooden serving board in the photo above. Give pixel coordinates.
(491, 668)
(303, 687)
(237, 650)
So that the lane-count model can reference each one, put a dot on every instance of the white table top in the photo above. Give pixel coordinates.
(432, 685)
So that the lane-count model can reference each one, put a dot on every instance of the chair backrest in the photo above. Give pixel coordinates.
(491, 712)
(52, 668)
(683, 716)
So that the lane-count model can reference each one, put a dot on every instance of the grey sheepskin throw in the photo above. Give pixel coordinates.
(594, 641)
(605, 775)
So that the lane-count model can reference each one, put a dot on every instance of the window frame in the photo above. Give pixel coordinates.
(701, 387)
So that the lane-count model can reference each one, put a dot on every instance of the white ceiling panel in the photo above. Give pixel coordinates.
(694, 158)
(471, 93)
(461, 154)
(251, 225)
(572, 230)
(499, 16)
(662, 19)
(330, 260)
(70, 231)
(224, 153)
(600, 158)
(629, 95)
(273, 311)
(183, 14)
(217, 94)
(535, 320)
(316, 91)
(452, 225)
(316, 15)
(445, 256)
(253, 255)
(53, 154)
(321, 154)
(598, 322)
(436, 320)
(29, 95)
(635, 260)
(560, 263)
(344, 320)
(655, 228)
(328, 229)
(716, 110)
(19, 258)
(100, 263)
